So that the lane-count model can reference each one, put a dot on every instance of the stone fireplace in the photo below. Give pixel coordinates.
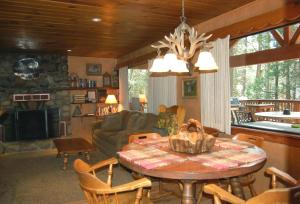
(53, 80)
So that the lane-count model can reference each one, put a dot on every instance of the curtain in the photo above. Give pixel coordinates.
(215, 90)
(161, 90)
(123, 84)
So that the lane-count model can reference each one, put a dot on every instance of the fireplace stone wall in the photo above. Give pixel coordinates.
(53, 80)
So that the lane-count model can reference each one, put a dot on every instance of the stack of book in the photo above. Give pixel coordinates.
(79, 98)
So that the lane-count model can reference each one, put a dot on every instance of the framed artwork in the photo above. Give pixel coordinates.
(94, 69)
(106, 80)
(115, 79)
(91, 96)
(189, 88)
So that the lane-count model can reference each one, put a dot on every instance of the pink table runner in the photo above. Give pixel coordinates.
(225, 159)
(226, 154)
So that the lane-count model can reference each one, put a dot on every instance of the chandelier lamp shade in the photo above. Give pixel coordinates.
(175, 60)
(159, 65)
(206, 61)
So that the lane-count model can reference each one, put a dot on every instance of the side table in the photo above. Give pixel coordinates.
(75, 145)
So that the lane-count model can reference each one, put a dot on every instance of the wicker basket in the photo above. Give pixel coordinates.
(192, 139)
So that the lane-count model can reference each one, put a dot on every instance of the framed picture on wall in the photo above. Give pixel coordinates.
(91, 94)
(93, 69)
(189, 88)
(106, 80)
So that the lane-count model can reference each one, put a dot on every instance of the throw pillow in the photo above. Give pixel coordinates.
(112, 122)
(168, 121)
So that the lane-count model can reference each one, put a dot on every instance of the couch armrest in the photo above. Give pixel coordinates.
(96, 125)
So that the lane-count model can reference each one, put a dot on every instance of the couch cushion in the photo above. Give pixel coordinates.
(112, 122)
(151, 121)
(136, 121)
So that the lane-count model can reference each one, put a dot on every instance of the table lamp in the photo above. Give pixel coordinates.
(110, 100)
(143, 101)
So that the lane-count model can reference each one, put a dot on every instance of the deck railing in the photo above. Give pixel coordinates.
(279, 105)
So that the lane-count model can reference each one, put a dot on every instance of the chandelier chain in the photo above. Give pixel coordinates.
(176, 59)
(182, 18)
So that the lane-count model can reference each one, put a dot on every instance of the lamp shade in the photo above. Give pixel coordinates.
(179, 66)
(206, 61)
(142, 98)
(158, 65)
(111, 99)
(170, 60)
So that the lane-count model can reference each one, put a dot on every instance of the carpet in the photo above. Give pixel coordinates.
(37, 178)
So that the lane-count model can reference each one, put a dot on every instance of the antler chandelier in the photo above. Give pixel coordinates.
(175, 60)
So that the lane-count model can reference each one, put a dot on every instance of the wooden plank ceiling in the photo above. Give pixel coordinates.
(59, 25)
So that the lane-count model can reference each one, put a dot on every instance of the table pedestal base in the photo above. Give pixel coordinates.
(188, 193)
(236, 187)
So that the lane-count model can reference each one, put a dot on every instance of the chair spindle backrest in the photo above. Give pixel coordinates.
(133, 137)
(256, 140)
(279, 195)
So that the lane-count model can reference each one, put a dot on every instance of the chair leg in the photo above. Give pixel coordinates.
(180, 186)
(139, 196)
(160, 192)
(252, 190)
(200, 194)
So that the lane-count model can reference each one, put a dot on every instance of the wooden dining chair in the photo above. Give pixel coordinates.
(243, 117)
(277, 174)
(289, 195)
(282, 196)
(248, 180)
(97, 191)
(212, 131)
(150, 135)
(178, 110)
(256, 140)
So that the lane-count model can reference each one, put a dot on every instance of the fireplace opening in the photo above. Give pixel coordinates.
(36, 124)
(31, 124)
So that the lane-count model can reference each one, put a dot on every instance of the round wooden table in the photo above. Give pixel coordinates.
(189, 172)
(278, 116)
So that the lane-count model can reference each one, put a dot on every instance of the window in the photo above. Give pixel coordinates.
(265, 77)
(137, 85)
(276, 80)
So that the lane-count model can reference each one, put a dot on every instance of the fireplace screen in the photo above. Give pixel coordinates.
(31, 124)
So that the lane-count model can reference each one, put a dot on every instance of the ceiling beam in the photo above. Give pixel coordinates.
(286, 15)
(137, 61)
(278, 37)
(266, 56)
(296, 36)
(287, 35)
